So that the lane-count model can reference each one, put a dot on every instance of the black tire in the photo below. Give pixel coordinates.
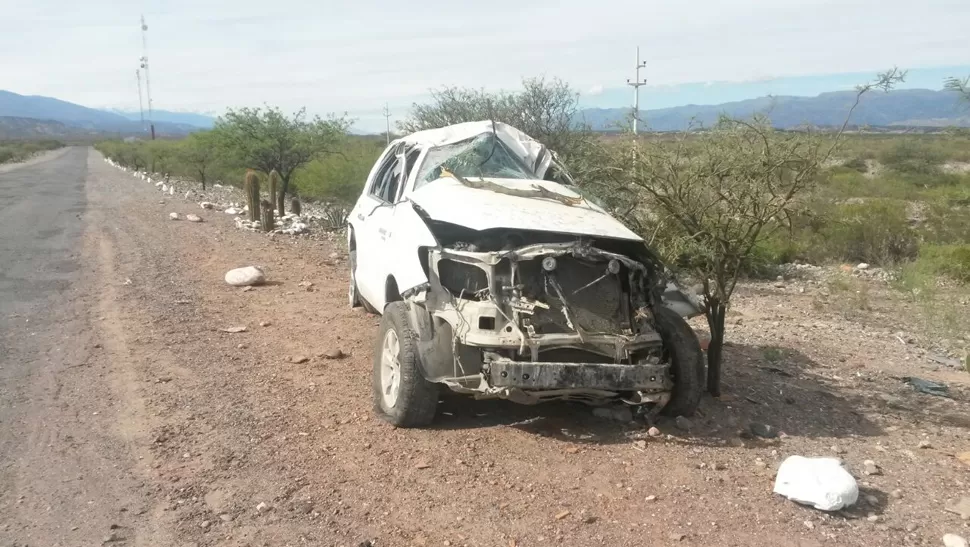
(417, 399)
(683, 351)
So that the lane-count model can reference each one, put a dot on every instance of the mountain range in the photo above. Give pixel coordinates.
(23, 116)
(28, 116)
(899, 108)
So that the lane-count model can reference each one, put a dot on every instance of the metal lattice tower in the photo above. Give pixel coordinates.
(635, 84)
(144, 65)
(387, 123)
(141, 106)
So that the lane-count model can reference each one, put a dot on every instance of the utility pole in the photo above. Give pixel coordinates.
(387, 123)
(144, 65)
(141, 106)
(636, 91)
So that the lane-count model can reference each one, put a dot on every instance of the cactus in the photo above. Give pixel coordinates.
(251, 189)
(274, 184)
(295, 205)
(267, 224)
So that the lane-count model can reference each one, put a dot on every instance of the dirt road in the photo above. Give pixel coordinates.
(128, 417)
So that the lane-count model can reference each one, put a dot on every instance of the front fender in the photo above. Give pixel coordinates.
(408, 235)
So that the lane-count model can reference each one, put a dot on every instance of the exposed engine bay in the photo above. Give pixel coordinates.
(539, 316)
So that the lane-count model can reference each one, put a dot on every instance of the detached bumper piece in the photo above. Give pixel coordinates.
(610, 377)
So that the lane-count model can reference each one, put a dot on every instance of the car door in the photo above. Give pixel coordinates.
(371, 217)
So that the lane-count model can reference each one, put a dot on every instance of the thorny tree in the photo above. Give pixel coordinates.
(199, 152)
(961, 86)
(546, 110)
(266, 139)
(716, 194)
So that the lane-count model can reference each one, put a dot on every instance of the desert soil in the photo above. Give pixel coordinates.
(129, 417)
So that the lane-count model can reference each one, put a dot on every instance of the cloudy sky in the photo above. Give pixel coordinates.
(356, 55)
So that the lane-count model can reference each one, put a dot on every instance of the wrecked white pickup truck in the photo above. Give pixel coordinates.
(496, 277)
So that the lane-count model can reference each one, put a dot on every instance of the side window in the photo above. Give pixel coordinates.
(379, 188)
(410, 160)
(391, 184)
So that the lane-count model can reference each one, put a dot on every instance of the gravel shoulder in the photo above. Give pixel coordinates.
(257, 438)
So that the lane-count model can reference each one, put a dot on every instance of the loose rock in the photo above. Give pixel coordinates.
(764, 431)
(262, 507)
(173, 216)
(653, 432)
(869, 467)
(240, 277)
(682, 423)
(953, 540)
(335, 353)
(298, 359)
(925, 444)
(961, 507)
(206, 205)
(193, 218)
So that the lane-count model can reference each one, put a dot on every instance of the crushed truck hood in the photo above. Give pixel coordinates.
(447, 200)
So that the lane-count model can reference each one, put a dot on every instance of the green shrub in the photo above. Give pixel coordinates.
(911, 156)
(952, 261)
(857, 164)
(875, 231)
(944, 223)
(14, 151)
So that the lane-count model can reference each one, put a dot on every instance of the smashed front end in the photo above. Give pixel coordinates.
(542, 321)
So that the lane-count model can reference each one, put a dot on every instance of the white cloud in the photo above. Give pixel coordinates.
(595, 90)
(332, 55)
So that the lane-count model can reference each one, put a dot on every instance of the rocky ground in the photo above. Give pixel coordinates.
(266, 436)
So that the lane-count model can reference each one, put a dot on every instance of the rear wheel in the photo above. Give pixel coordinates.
(683, 352)
(402, 396)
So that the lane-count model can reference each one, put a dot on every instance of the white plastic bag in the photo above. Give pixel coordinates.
(820, 482)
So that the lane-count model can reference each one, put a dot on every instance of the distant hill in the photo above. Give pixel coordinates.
(905, 107)
(79, 119)
(31, 128)
(183, 118)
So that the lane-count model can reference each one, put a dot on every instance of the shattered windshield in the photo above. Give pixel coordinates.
(479, 157)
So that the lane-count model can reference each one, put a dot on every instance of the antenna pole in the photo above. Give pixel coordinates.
(144, 65)
(141, 107)
(635, 84)
(387, 123)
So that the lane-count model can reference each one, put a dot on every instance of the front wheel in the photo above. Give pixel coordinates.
(402, 396)
(683, 352)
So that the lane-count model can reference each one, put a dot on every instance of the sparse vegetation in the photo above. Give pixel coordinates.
(17, 151)
(899, 201)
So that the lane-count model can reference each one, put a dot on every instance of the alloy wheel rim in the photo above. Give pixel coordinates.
(390, 368)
